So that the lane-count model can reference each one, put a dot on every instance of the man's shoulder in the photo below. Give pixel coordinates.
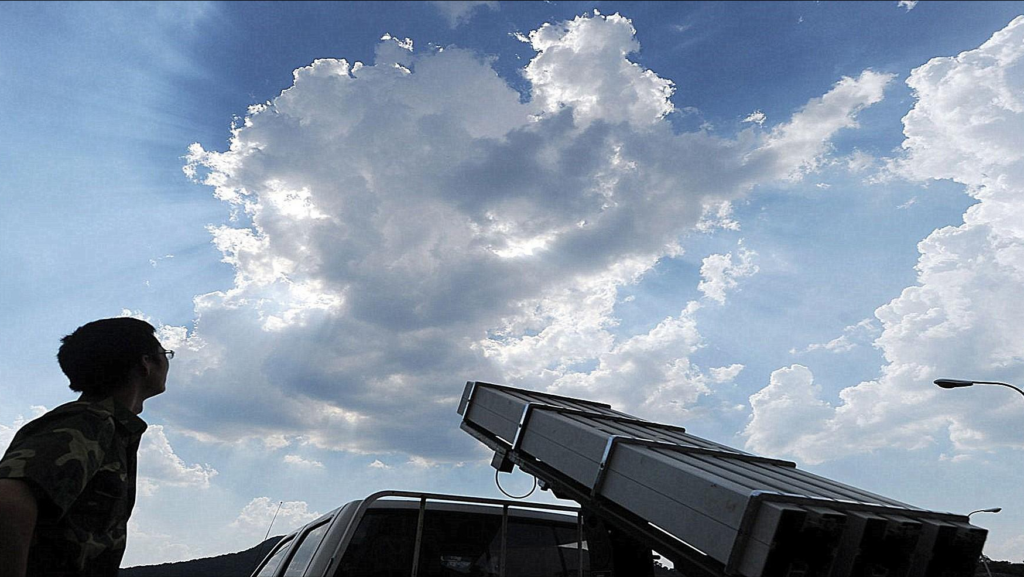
(85, 413)
(80, 419)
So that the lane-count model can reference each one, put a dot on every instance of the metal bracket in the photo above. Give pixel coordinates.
(524, 419)
(467, 398)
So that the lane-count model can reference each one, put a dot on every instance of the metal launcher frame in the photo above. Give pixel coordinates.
(711, 509)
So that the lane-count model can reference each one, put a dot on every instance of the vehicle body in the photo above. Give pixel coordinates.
(394, 533)
(640, 486)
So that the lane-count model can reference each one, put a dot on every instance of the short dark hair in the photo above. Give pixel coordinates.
(99, 356)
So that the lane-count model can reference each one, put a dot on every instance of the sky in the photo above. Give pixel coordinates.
(774, 224)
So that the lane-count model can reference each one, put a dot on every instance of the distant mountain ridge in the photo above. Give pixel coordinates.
(240, 564)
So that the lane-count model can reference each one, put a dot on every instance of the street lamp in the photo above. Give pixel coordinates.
(984, 559)
(957, 383)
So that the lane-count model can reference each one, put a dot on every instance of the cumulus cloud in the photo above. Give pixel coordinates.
(801, 144)
(261, 513)
(582, 65)
(963, 316)
(421, 462)
(717, 215)
(791, 404)
(160, 466)
(651, 372)
(852, 336)
(459, 12)
(908, 4)
(414, 223)
(303, 463)
(719, 272)
(859, 161)
(756, 117)
(726, 374)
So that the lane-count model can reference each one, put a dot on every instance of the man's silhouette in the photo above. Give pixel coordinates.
(67, 482)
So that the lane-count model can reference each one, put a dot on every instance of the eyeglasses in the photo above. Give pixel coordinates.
(168, 354)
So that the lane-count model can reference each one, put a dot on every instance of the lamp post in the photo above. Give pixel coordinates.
(957, 383)
(992, 510)
(984, 559)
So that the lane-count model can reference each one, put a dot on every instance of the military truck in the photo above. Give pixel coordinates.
(650, 499)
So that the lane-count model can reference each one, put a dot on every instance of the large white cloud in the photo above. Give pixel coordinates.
(409, 225)
(262, 515)
(581, 64)
(160, 466)
(963, 317)
(791, 402)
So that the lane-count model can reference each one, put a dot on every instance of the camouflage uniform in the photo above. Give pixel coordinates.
(80, 461)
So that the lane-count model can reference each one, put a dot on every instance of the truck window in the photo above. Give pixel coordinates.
(304, 553)
(382, 545)
(458, 544)
(270, 567)
(544, 549)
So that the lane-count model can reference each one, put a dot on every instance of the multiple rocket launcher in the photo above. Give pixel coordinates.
(711, 509)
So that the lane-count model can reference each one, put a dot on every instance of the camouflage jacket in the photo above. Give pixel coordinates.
(80, 461)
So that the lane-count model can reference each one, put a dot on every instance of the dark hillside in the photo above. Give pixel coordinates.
(1002, 569)
(238, 564)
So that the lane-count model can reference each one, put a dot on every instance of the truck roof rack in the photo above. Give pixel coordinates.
(711, 509)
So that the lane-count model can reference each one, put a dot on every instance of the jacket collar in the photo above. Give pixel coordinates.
(121, 414)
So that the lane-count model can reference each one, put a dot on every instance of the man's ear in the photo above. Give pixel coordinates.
(146, 362)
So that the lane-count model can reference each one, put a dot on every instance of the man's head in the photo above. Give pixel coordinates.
(105, 355)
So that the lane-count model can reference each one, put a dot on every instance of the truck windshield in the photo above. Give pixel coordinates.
(461, 544)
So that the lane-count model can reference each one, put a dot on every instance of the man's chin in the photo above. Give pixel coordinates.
(156, 391)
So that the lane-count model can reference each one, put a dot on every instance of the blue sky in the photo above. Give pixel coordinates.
(738, 217)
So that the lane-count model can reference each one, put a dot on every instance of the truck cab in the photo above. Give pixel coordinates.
(402, 534)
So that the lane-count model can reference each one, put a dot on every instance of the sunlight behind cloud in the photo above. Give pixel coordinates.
(413, 226)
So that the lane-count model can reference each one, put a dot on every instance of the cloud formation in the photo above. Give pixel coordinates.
(160, 466)
(461, 11)
(297, 461)
(853, 335)
(719, 272)
(962, 319)
(412, 224)
(262, 514)
(791, 402)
